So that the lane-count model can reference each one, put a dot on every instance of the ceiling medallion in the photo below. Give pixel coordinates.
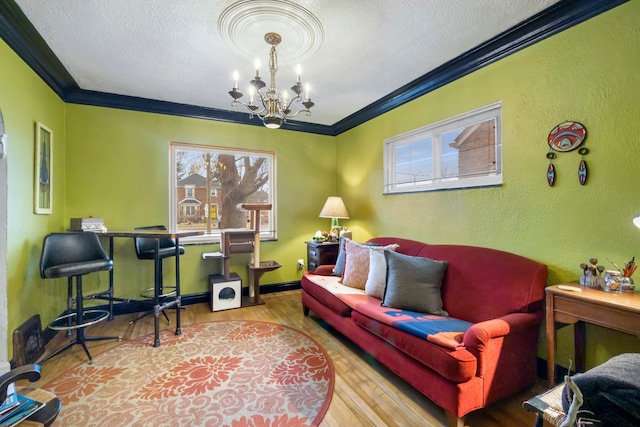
(245, 21)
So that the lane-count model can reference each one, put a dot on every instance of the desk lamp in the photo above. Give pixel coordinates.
(334, 208)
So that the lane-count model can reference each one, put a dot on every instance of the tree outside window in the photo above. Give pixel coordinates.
(209, 185)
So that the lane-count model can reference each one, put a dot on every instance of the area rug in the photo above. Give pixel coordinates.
(231, 373)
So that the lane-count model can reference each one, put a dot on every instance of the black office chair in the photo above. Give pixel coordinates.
(74, 255)
(146, 249)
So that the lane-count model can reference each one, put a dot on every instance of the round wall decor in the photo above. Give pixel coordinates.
(567, 136)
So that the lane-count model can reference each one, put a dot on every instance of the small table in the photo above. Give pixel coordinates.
(157, 307)
(321, 253)
(44, 416)
(620, 312)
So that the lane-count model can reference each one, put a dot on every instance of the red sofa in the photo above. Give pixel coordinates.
(500, 293)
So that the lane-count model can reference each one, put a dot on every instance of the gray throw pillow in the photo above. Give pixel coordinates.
(413, 283)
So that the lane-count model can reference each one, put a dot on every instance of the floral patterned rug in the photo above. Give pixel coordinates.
(231, 373)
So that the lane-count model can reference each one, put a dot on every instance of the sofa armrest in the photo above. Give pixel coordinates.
(506, 352)
(324, 270)
(480, 335)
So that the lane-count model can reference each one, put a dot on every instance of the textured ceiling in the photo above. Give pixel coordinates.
(352, 52)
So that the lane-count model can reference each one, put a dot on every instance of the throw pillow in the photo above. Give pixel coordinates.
(338, 269)
(356, 264)
(376, 281)
(413, 283)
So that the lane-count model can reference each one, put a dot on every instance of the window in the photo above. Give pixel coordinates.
(460, 152)
(208, 185)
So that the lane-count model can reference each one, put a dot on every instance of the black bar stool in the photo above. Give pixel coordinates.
(146, 249)
(74, 255)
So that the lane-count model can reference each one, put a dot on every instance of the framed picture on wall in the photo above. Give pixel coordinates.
(43, 165)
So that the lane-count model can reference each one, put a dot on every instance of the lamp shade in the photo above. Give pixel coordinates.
(334, 208)
(636, 221)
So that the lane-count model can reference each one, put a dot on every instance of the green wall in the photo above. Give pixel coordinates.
(121, 173)
(25, 99)
(589, 74)
(114, 164)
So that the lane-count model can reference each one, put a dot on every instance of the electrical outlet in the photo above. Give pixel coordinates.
(300, 264)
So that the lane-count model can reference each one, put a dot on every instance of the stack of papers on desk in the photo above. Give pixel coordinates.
(16, 408)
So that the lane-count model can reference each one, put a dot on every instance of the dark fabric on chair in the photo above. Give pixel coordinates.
(72, 254)
(146, 246)
(611, 391)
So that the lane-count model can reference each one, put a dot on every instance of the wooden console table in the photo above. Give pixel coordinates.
(620, 312)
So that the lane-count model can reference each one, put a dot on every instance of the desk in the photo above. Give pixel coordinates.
(157, 307)
(620, 312)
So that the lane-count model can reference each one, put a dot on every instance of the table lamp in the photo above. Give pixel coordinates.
(334, 208)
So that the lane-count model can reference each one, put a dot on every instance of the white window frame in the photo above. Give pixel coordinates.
(214, 236)
(434, 131)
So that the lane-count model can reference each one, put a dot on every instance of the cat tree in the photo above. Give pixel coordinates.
(247, 240)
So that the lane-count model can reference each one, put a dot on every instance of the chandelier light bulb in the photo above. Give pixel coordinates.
(236, 77)
(252, 94)
(257, 64)
(298, 72)
(307, 89)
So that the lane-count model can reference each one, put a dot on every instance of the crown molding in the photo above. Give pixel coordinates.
(553, 20)
(22, 37)
(123, 102)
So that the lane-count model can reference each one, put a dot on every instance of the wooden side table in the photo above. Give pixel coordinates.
(620, 312)
(321, 253)
(46, 415)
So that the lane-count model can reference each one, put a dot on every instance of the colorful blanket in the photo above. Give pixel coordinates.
(444, 331)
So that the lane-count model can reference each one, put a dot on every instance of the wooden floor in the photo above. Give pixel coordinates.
(365, 393)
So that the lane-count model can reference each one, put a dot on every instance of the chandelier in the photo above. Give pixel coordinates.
(272, 107)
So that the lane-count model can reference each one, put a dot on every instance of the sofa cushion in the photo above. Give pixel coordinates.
(356, 264)
(413, 283)
(323, 288)
(376, 280)
(455, 365)
(338, 269)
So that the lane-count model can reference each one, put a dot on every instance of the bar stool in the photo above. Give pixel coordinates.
(146, 249)
(74, 255)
